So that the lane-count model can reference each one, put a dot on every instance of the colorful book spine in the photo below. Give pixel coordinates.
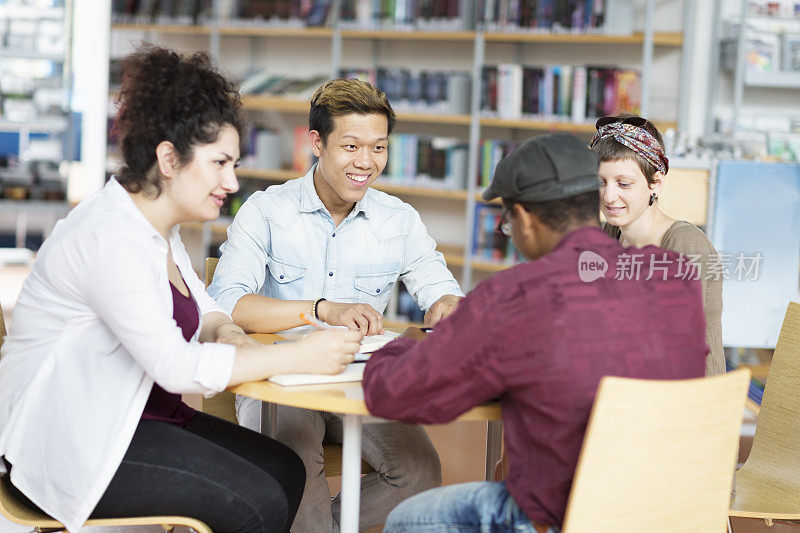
(558, 93)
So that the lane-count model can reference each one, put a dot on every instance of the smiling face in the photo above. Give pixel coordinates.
(350, 159)
(198, 189)
(624, 191)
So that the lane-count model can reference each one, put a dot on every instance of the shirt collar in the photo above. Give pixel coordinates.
(123, 200)
(310, 201)
(580, 236)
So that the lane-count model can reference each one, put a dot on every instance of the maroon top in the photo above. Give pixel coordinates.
(163, 405)
(540, 339)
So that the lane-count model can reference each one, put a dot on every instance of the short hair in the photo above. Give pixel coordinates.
(168, 97)
(560, 214)
(341, 96)
(609, 149)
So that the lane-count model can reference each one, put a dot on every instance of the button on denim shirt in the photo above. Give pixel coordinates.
(283, 244)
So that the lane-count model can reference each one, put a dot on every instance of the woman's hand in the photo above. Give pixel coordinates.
(230, 333)
(327, 351)
(357, 317)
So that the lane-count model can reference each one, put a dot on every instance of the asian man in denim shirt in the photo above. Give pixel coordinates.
(330, 246)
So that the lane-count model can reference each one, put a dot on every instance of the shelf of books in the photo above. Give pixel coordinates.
(235, 31)
(670, 39)
(491, 250)
(267, 31)
(430, 151)
(295, 105)
(260, 102)
(180, 29)
(410, 35)
(383, 184)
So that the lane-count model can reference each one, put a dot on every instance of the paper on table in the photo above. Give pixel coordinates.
(353, 372)
(376, 342)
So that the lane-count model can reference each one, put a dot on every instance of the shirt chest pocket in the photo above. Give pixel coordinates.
(286, 279)
(374, 289)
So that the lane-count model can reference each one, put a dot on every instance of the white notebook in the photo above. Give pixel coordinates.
(353, 372)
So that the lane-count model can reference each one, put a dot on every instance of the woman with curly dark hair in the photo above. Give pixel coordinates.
(112, 326)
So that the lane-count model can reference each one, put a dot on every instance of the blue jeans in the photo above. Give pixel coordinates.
(482, 507)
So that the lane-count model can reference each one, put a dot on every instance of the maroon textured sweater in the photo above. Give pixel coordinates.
(539, 337)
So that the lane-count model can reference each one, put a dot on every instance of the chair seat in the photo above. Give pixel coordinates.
(20, 513)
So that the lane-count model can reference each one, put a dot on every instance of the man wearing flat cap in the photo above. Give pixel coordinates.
(539, 336)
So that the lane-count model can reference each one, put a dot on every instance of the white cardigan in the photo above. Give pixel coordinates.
(90, 333)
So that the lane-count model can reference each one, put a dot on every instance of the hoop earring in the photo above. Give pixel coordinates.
(653, 198)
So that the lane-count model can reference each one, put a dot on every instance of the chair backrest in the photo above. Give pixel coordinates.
(222, 405)
(658, 456)
(769, 481)
(211, 266)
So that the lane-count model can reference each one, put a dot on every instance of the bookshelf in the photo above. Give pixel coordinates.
(35, 120)
(755, 78)
(280, 176)
(467, 50)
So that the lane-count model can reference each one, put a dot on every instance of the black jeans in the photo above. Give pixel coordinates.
(233, 479)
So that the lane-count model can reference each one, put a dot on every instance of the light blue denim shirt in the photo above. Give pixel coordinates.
(283, 244)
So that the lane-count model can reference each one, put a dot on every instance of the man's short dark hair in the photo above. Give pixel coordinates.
(339, 97)
(560, 214)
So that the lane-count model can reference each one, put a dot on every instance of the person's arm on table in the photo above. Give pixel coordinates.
(321, 352)
(257, 313)
(426, 276)
(434, 380)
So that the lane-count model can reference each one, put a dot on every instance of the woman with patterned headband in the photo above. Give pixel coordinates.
(633, 166)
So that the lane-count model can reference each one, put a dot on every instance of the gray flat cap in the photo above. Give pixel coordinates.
(547, 167)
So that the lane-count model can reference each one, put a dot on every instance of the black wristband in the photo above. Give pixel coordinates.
(316, 305)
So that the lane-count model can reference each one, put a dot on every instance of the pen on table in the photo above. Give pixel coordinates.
(311, 321)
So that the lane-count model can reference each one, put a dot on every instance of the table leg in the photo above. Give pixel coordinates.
(351, 473)
(269, 419)
(494, 431)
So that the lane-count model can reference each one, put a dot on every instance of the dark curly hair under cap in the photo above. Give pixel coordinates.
(168, 97)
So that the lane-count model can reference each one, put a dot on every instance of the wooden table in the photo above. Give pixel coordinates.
(346, 399)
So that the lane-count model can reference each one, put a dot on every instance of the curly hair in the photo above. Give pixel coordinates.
(341, 96)
(168, 97)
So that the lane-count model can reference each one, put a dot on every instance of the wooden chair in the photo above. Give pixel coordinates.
(223, 405)
(658, 456)
(755, 392)
(18, 512)
(768, 484)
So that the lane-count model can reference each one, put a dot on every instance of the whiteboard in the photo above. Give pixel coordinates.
(757, 211)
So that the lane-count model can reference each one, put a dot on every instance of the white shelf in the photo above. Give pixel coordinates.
(49, 124)
(773, 80)
(31, 54)
(33, 206)
(31, 12)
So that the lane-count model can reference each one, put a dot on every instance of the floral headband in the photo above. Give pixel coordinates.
(637, 139)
